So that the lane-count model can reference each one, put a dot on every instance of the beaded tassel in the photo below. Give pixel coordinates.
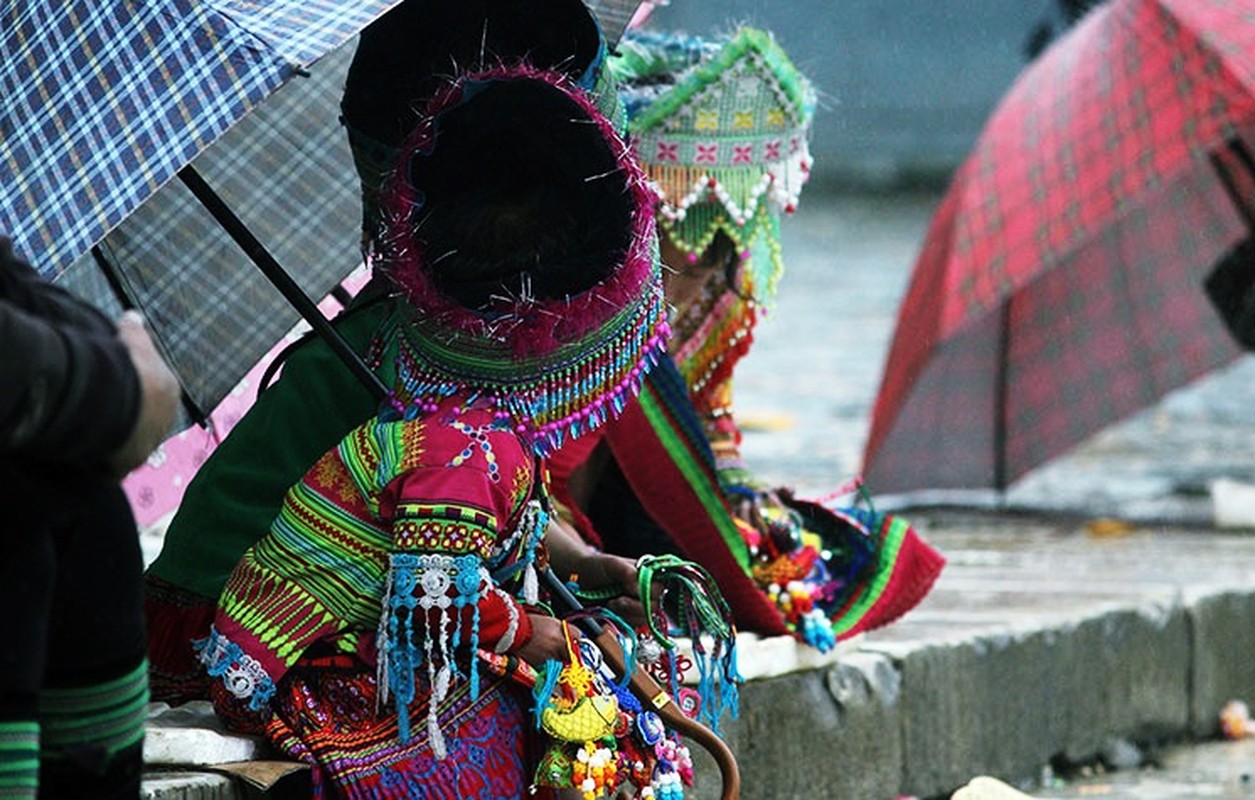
(555, 405)
(419, 584)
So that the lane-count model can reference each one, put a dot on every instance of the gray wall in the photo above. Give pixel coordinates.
(905, 84)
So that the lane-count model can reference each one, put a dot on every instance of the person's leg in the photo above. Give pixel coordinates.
(94, 697)
(73, 681)
(27, 568)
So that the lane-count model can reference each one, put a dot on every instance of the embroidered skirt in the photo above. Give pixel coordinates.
(325, 715)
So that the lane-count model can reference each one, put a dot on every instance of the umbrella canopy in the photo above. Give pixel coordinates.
(286, 171)
(103, 103)
(1061, 283)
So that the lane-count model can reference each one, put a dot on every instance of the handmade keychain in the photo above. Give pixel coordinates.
(581, 715)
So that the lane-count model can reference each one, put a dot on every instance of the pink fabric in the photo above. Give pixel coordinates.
(642, 13)
(156, 487)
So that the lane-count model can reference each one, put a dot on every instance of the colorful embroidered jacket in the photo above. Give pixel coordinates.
(410, 531)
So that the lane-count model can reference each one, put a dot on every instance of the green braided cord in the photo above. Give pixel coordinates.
(707, 491)
(19, 759)
(706, 603)
(594, 595)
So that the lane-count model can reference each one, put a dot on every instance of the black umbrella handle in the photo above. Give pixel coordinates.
(281, 280)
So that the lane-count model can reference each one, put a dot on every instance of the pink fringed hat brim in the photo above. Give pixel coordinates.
(557, 367)
(539, 326)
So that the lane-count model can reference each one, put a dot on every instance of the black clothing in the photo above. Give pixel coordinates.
(68, 390)
(71, 576)
(73, 676)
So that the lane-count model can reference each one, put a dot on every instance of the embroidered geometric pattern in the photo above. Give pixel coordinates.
(425, 528)
(721, 128)
(328, 718)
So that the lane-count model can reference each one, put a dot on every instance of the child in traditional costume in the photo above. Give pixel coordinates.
(721, 129)
(409, 54)
(519, 234)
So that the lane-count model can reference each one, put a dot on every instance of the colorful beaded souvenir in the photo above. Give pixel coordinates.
(598, 752)
(579, 708)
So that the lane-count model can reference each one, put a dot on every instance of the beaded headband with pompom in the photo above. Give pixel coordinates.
(554, 366)
(721, 127)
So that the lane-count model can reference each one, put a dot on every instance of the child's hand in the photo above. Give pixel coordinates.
(547, 642)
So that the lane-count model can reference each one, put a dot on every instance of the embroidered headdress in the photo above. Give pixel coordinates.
(721, 128)
(521, 232)
(513, 134)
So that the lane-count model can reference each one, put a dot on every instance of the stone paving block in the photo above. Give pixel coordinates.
(1224, 637)
(825, 733)
(191, 735)
(186, 785)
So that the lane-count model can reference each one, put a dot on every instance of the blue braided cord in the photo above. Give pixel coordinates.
(544, 688)
(732, 680)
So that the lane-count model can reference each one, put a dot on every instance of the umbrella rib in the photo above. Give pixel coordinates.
(1238, 148)
(279, 277)
(105, 265)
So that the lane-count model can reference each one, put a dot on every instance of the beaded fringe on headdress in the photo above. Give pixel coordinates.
(556, 368)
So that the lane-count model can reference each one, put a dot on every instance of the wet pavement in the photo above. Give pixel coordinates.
(1212, 769)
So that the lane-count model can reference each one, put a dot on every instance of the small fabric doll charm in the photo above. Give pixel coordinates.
(576, 708)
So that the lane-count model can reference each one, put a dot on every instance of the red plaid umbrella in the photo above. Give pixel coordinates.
(1061, 284)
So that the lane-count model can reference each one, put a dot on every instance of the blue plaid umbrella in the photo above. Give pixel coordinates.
(103, 102)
